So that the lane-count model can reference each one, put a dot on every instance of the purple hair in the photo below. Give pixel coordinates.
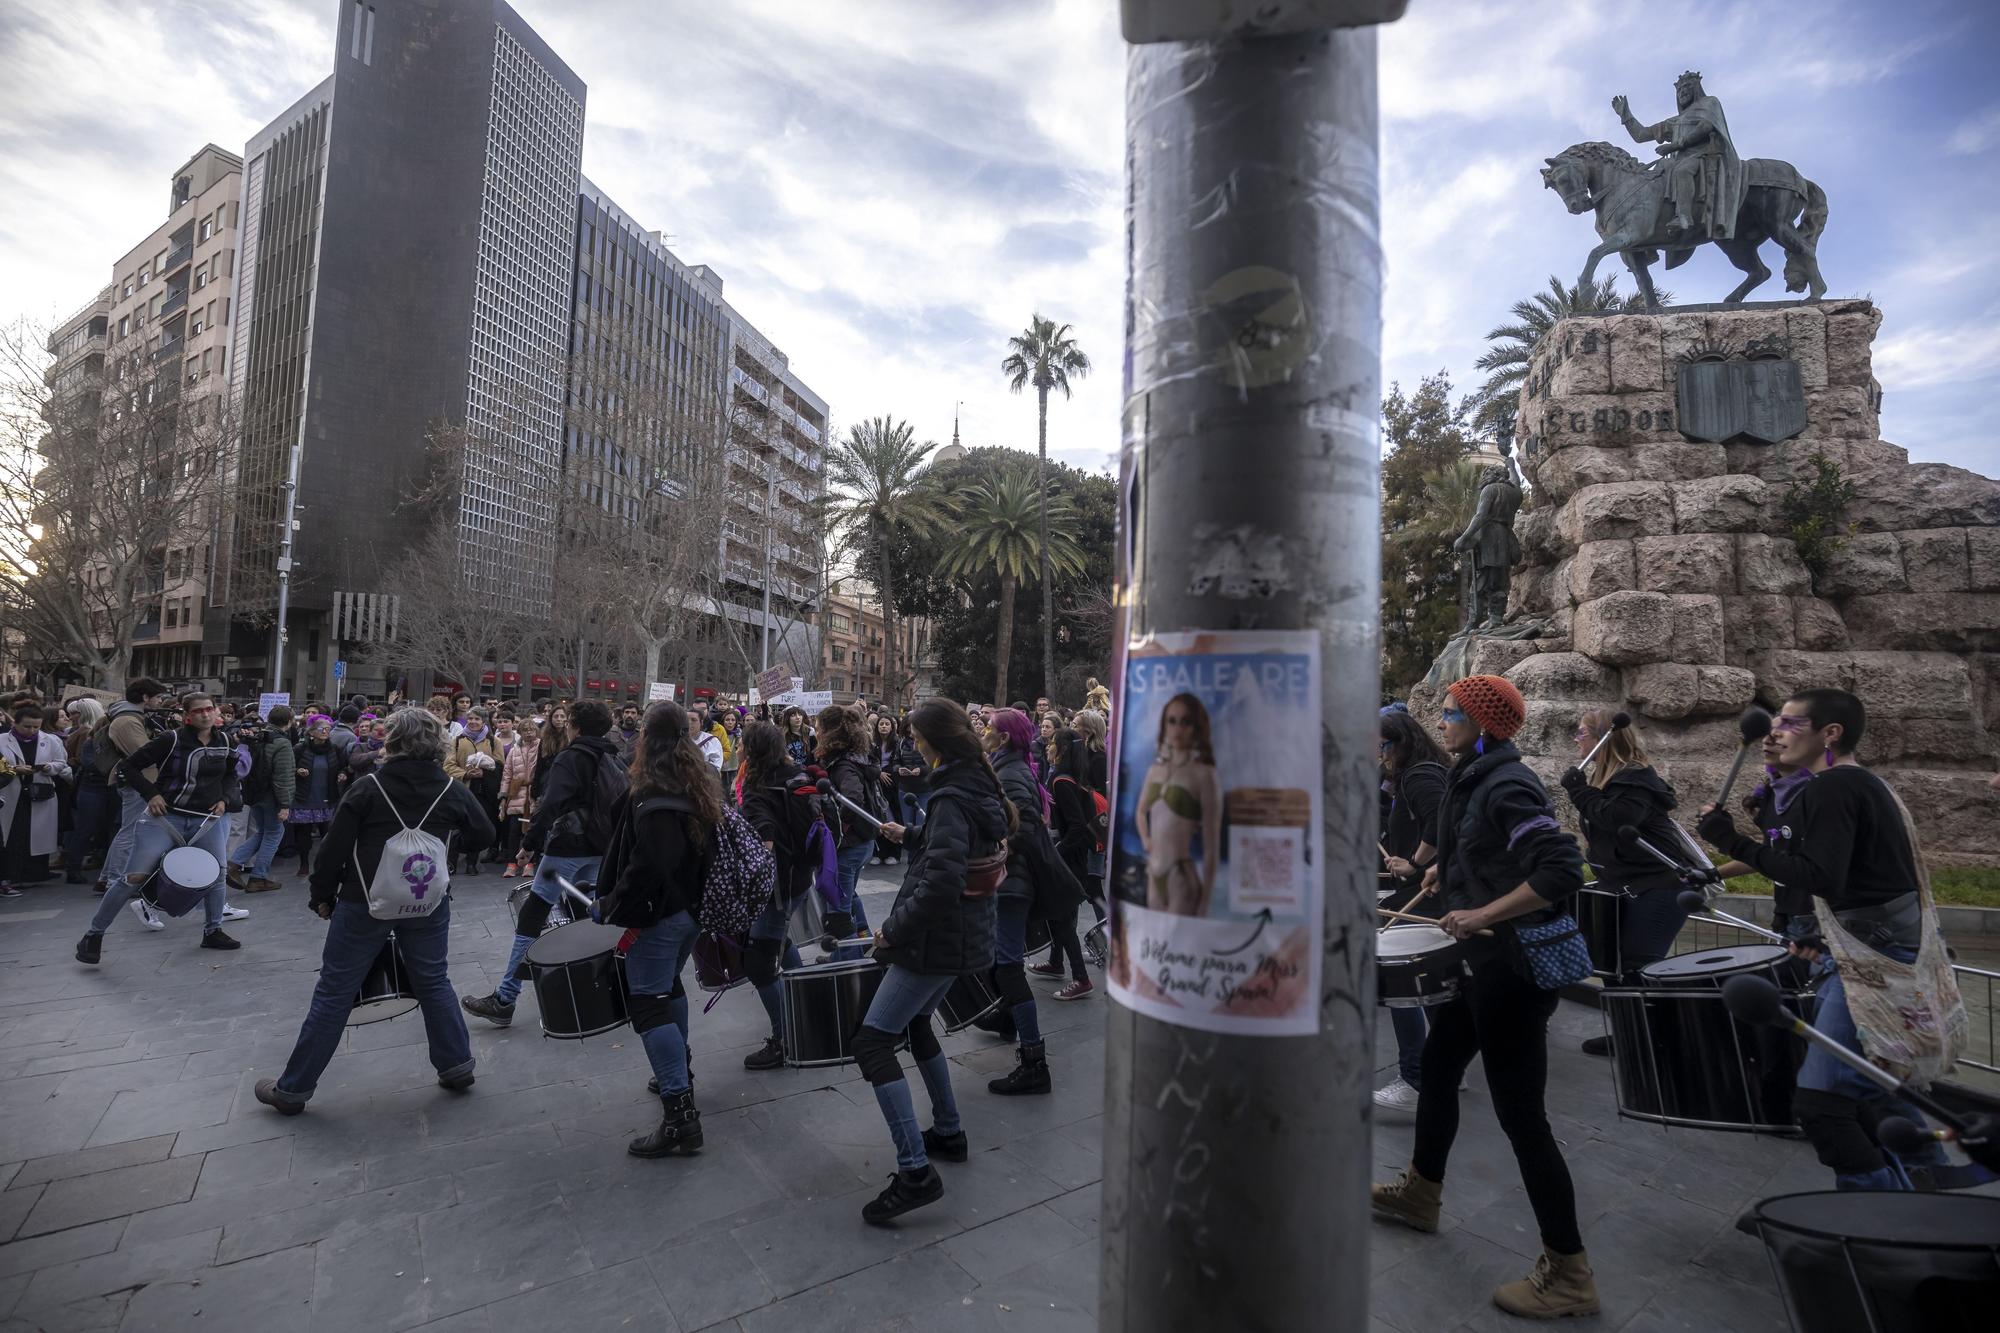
(1014, 725)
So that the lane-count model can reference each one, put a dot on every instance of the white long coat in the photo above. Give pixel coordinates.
(42, 832)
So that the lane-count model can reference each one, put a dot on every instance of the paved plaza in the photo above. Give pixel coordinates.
(146, 1190)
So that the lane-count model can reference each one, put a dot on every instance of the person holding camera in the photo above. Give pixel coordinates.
(32, 764)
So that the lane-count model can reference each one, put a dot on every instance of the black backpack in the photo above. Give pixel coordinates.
(257, 782)
(591, 821)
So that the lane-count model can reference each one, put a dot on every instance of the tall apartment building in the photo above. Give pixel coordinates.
(407, 261)
(776, 460)
(154, 347)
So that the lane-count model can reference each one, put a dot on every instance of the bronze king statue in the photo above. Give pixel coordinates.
(1493, 548)
(1698, 192)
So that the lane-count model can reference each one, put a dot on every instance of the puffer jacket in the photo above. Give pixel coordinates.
(517, 776)
(1637, 796)
(1496, 831)
(1018, 781)
(934, 929)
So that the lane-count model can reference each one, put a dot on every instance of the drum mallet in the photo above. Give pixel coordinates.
(1978, 1136)
(1753, 726)
(1619, 721)
(1694, 900)
(1756, 1001)
(573, 891)
(825, 788)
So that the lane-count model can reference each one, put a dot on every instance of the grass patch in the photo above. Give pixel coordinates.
(1955, 886)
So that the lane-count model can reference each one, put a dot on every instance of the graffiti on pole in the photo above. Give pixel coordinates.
(1216, 859)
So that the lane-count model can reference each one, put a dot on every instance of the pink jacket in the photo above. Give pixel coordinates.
(517, 773)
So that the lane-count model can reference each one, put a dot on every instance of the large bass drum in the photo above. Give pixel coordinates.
(1678, 1058)
(824, 1006)
(1884, 1262)
(579, 980)
(385, 991)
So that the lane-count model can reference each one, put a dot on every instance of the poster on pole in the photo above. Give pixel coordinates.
(1216, 863)
(660, 691)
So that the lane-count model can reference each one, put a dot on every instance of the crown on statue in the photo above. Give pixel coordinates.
(1691, 79)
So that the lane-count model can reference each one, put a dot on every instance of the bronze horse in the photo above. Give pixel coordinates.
(1633, 219)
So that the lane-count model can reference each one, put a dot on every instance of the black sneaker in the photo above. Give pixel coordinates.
(489, 1008)
(907, 1190)
(1597, 1046)
(771, 1055)
(999, 1021)
(89, 949)
(456, 1080)
(218, 939)
(953, 1147)
(267, 1093)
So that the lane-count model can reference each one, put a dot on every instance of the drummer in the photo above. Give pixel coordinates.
(1850, 846)
(1792, 913)
(194, 783)
(778, 801)
(1413, 778)
(1622, 788)
(940, 929)
(1502, 861)
(410, 789)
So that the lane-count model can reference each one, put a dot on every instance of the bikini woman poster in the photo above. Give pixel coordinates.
(1215, 860)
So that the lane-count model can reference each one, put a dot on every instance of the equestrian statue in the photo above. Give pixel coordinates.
(1698, 191)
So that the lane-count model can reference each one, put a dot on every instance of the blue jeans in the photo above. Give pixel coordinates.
(1411, 1027)
(354, 940)
(263, 832)
(1825, 1073)
(899, 1001)
(850, 861)
(152, 838)
(131, 807)
(571, 868)
(1010, 946)
(653, 971)
(772, 925)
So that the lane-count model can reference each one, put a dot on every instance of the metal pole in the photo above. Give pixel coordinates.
(1236, 1168)
(278, 631)
(770, 496)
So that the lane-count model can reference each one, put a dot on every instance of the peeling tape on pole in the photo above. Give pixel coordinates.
(1217, 869)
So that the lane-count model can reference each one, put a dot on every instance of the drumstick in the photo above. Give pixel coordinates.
(1380, 848)
(1419, 920)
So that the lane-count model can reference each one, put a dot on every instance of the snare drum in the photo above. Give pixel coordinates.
(579, 980)
(183, 880)
(971, 996)
(1037, 940)
(1094, 948)
(1599, 915)
(1679, 1058)
(385, 992)
(824, 1007)
(1417, 966)
(558, 912)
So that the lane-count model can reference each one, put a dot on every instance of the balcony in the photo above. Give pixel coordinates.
(177, 258)
(176, 301)
(171, 347)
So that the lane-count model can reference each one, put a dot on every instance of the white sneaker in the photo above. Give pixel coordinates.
(234, 913)
(142, 910)
(1398, 1096)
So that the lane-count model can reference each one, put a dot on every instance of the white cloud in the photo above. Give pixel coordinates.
(1976, 133)
(1935, 355)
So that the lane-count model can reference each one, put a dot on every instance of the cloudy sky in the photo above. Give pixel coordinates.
(891, 187)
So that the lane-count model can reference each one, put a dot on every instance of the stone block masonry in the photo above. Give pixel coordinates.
(1674, 587)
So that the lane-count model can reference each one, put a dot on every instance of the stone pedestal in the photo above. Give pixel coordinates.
(1675, 589)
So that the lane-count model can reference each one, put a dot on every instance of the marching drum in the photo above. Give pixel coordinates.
(579, 979)
(1678, 1058)
(1095, 949)
(385, 992)
(1598, 914)
(824, 1006)
(1038, 939)
(1884, 1262)
(971, 996)
(182, 881)
(1417, 966)
(558, 912)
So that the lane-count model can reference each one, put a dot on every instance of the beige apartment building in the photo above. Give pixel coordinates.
(854, 640)
(166, 336)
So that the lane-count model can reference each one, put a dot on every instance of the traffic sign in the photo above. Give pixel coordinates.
(339, 668)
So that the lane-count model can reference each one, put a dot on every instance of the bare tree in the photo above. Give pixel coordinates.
(107, 492)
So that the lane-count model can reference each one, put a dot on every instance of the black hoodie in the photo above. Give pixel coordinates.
(1497, 831)
(1634, 795)
(782, 811)
(934, 928)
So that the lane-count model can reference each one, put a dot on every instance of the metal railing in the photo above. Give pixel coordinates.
(179, 255)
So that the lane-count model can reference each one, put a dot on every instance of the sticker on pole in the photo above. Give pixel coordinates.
(1217, 871)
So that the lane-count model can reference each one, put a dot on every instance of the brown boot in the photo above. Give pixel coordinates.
(1409, 1199)
(1558, 1285)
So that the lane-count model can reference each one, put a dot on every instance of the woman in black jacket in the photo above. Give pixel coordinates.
(779, 802)
(843, 753)
(1623, 789)
(410, 789)
(883, 745)
(940, 929)
(1413, 780)
(1503, 863)
(1008, 739)
(912, 778)
(650, 881)
(1076, 837)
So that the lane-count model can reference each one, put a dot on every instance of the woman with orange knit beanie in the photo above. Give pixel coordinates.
(1503, 864)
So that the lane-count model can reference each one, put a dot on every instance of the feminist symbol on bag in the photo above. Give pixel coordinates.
(418, 871)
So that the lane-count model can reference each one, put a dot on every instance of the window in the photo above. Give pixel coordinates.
(207, 227)
(125, 323)
(201, 278)
(839, 655)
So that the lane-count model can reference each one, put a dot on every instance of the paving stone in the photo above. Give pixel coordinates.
(26, 1255)
(478, 1253)
(622, 1297)
(298, 1224)
(65, 1283)
(708, 1280)
(415, 1163)
(867, 1299)
(116, 1193)
(1012, 1243)
(1412, 1295)
(675, 1199)
(246, 1166)
(132, 1152)
(373, 1278)
(271, 1294)
(144, 1112)
(15, 1205)
(817, 1242)
(228, 1210)
(1080, 1209)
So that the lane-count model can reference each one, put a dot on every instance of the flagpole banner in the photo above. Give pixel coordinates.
(1216, 868)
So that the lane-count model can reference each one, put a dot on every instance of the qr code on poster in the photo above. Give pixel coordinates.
(1266, 869)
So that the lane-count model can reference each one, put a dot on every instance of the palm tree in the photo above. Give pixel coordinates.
(872, 489)
(997, 524)
(1045, 356)
(1513, 344)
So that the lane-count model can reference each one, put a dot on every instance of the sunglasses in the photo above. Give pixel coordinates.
(1454, 715)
